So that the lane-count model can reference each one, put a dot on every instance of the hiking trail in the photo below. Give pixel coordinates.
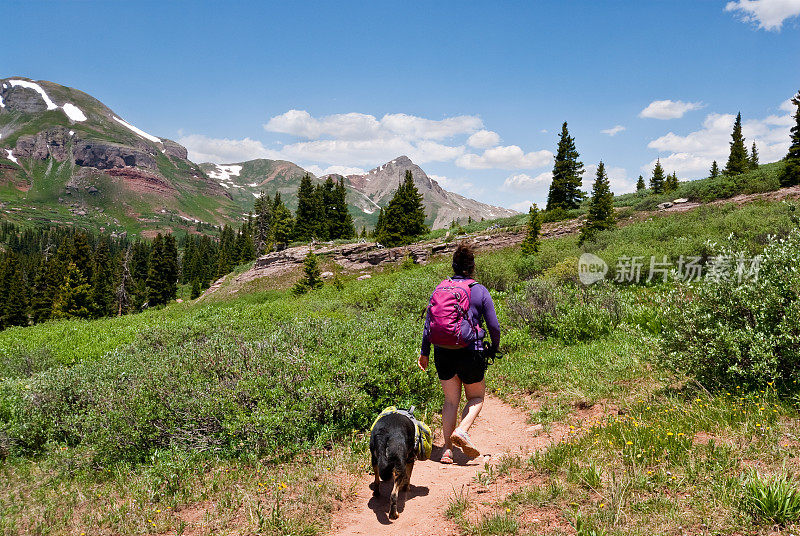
(500, 429)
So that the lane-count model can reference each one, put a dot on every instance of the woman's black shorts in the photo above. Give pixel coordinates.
(466, 363)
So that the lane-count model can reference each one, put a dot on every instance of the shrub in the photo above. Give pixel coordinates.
(567, 312)
(301, 384)
(728, 332)
(496, 272)
(566, 271)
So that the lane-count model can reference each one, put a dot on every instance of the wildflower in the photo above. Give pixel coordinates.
(508, 510)
(629, 443)
(602, 505)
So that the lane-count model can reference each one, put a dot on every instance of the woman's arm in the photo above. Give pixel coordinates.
(492, 325)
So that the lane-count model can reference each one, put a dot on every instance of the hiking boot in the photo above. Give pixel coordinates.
(461, 439)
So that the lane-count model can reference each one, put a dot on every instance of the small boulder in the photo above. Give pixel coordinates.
(365, 276)
(664, 205)
(326, 275)
(92, 190)
(681, 200)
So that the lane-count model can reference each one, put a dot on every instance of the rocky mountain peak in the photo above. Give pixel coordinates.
(380, 183)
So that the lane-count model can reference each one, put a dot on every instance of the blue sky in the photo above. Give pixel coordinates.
(474, 92)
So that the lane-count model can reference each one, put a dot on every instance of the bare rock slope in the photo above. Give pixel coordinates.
(441, 206)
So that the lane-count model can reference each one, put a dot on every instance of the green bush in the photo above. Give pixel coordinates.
(496, 272)
(567, 312)
(728, 332)
(269, 378)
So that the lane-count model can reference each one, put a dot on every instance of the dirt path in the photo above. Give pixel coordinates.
(500, 429)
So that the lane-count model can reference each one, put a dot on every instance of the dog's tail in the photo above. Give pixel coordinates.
(389, 462)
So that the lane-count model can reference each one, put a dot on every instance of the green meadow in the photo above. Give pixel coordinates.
(254, 408)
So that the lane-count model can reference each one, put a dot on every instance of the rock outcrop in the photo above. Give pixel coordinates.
(53, 142)
(104, 155)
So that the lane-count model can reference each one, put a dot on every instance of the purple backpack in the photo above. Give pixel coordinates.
(449, 325)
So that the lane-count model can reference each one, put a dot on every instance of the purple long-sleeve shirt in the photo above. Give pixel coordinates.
(481, 308)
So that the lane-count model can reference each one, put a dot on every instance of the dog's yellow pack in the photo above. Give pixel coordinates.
(423, 437)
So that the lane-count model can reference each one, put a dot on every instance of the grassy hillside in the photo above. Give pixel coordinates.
(255, 408)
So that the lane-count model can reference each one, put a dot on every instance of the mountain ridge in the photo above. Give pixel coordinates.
(65, 153)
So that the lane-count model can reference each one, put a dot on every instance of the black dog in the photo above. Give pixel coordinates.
(391, 444)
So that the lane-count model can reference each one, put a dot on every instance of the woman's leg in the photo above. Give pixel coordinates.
(474, 392)
(452, 397)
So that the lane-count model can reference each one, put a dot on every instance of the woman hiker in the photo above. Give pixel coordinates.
(459, 353)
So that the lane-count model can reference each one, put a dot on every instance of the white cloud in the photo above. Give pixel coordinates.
(768, 14)
(358, 126)
(224, 151)
(484, 139)
(357, 140)
(458, 185)
(505, 157)
(412, 127)
(617, 179)
(613, 131)
(523, 182)
(692, 154)
(335, 170)
(522, 206)
(668, 109)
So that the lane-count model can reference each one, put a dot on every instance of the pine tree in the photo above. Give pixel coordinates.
(161, 279)
(601, 207)
(172, 267)
(49, 279)
(754, 157)
(103, 297)
(640, 185)
(124, 290)
(534, 226)
(567, 172)
(197, 289)
(657, 180)
(404, 219)
(714, 170)
(228, 256)
(13, 293)
(379, 224)
(791, 173)
(307, 217)
(311, 279)
(263, 210)
(339, 219)
(282, 222)
(671, 182)
(80, 253)
(738, 161)
(74, 298)
(244, 249)
(140, 268)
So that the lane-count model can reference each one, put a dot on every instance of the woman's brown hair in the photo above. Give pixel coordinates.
(464, 260)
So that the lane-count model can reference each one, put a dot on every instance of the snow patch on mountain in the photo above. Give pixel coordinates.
(224, 173)
(11, 156)
(140, 132)
(38, 89)
(2, 104)
(73, 112)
